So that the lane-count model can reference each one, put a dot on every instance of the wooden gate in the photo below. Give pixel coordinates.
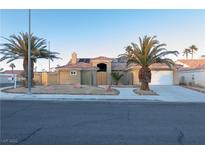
(102, 78)
(45, 78)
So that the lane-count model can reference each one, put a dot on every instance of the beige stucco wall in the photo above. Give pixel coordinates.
(38, 78)
(130, 78)
(66, 78)
(52, 78)
(45, 78)
(135, 77)
(61, 77)
(199, 76)
(123, 80)
(86, 77)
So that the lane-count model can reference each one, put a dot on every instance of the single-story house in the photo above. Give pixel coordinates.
(191, 72)
(97, 71)
(7, 77)
(19, 73)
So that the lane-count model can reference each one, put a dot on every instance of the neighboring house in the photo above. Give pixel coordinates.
(7, 78)
(97, 71)
(19, 73)
(191, 72)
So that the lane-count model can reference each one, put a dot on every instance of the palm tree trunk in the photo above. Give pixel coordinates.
(192, 54)
(32, 73)
(145, 78)
(25, 67)
(144, 86)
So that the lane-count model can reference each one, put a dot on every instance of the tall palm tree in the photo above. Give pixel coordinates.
(148, 52)
(12, 67)
(16, 47)
(186, 53)
(193, 48)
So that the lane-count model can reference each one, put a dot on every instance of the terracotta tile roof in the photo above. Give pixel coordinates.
(188, 68)
(88, 60)
(201, 66)
(156, 66)
(101, 58)
(159, 66)
(18, 72)
(78, 65)
(193, 63)
(192, 68)
(83, 63)
(79, 60)
(119, 66)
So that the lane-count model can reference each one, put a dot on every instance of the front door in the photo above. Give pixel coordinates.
(102, 74)
(102, 78)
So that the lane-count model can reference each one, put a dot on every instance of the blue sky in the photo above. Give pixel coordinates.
(105, 32)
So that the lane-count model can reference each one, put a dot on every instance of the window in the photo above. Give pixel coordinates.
(73, 72)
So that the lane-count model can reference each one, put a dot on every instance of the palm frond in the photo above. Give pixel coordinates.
(16, 46)
(149, 51)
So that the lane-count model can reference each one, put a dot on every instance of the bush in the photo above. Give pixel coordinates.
(116, 77)
(190, 84)
(182, 81)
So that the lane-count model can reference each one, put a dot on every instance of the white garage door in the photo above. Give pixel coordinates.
(162, 78)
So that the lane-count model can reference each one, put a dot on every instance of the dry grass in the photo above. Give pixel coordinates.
(65, 89)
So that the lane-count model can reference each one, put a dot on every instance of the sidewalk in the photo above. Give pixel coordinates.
(166, 94)
(125, 94)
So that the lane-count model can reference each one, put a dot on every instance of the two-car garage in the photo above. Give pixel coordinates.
(162, 77)
(159, 77)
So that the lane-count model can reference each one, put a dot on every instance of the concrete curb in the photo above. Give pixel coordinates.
(122, 100)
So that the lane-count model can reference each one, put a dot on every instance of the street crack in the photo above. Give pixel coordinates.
(29, 135)
(180, 136)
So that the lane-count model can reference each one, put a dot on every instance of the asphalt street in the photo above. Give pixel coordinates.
(96, 122)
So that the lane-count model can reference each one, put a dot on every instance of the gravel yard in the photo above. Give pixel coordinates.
(65, 89)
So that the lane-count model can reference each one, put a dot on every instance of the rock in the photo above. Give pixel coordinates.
(108, 89)
(77, 85)
(142, 92)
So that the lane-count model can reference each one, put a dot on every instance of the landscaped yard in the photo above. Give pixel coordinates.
(65, 89)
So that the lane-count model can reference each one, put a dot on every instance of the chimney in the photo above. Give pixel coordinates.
(74, 58)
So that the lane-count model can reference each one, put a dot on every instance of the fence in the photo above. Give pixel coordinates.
(46, 78)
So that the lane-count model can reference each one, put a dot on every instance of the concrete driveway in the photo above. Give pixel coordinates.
(177, 93)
